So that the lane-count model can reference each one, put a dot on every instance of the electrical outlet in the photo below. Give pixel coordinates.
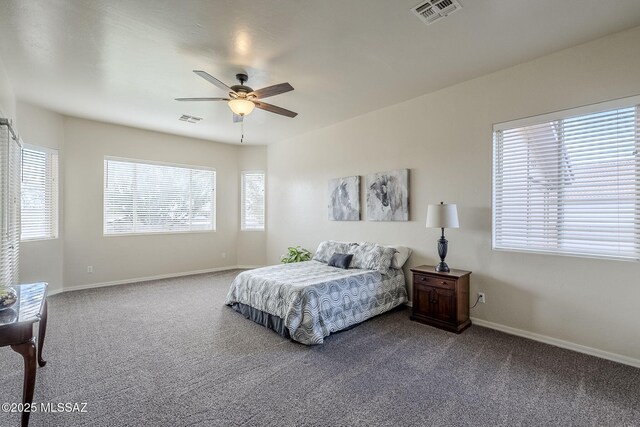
(90, 269)
(481, 297)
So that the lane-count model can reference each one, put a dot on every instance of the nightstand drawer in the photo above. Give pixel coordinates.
(436, 282)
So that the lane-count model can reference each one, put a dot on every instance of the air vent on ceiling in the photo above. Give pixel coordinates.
(431, 11)
(190, 119)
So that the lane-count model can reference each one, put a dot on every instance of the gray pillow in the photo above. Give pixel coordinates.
(328, 248)
(371, 256)
(340, 260)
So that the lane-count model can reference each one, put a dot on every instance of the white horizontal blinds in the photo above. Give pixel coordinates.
(119, 186)
(10, 154)
(570, 185)
(39, 193)
(156, 198)
(252, 201)
(15, 157)
(5, 243)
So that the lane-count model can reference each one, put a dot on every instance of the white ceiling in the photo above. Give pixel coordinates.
(123, 61)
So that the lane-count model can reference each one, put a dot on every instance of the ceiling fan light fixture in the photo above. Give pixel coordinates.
(241, 107)
(243, 99)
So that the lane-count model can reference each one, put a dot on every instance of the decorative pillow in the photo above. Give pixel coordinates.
(400, 257)
(328, 248)
(371, 256)
(340, 260)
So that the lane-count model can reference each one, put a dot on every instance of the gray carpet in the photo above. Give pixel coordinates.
(168, 353)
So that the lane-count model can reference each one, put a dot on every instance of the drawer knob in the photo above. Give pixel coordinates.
(423, 278)
(443, 283)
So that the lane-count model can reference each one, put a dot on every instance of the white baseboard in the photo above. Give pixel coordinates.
(148, 278)
(559, 343)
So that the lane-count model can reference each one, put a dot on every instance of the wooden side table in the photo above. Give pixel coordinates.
(16, 330)
(441, 299)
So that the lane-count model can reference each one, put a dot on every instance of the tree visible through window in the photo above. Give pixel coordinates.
(144, 197)
(569, 183)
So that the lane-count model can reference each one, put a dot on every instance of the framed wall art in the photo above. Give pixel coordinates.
(344, 199)
(388, 196)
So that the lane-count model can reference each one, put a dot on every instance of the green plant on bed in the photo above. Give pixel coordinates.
(297, 254)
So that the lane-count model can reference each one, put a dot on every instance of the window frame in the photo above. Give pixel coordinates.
(55, 184)
(170, 164)
(600, 107)
(264, 201)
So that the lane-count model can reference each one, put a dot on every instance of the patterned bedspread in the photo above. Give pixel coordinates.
(314, 299)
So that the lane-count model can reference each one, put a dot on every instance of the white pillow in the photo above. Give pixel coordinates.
(371, 256)
(328, 247)
(400, 257)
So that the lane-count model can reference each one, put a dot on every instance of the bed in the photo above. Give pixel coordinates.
(307, 301)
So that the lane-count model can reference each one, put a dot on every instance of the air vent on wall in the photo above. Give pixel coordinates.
(431, 11)
(190, 119)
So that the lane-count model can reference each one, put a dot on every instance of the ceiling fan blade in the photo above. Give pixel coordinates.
(237, 118)
(202, 99)
(272, 90)
(275, 109)
(208, 77)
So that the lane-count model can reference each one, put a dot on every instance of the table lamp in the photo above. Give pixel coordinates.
(442, 216)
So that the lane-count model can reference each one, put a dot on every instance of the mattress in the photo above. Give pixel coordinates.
(310, 300)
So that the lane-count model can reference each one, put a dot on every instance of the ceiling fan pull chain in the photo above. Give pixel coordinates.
(242, 131)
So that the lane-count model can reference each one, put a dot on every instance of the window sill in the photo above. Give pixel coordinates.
(38, 239)
(567, 254)
(157, 233)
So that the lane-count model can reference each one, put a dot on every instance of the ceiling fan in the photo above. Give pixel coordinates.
(242, 99)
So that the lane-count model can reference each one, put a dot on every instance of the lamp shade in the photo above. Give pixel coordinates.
(241, 107)
(442, 216)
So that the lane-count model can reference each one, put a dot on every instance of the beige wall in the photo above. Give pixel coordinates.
(445, 139)
(42, 260)
(7, 96)
(82, 145)
(252, 245)
(118, 258)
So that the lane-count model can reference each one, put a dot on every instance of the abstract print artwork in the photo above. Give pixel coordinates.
(388, 196)
(344, 199)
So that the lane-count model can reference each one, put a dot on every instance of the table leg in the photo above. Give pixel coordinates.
(42, 330)
(28, 352)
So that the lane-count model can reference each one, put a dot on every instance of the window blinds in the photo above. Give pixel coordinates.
(39, 193)
(145, 197)
(569, 183)
(10, 155)
(252, 201)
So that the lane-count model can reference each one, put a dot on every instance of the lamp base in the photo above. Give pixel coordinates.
(442, 267)
(442, 252)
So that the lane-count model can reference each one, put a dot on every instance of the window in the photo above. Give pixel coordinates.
(39, 193)
(146, 197)
(252, 201)
(569, 182)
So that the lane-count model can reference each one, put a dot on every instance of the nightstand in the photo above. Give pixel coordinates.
(441, 299)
